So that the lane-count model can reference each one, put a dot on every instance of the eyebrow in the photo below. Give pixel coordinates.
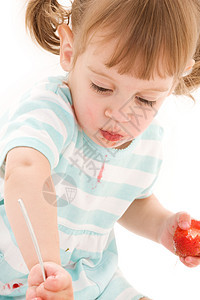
(145, 90)
(99, 73)
(157, 89)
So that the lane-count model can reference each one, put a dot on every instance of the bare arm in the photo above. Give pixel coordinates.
(145, 217)
(148, 218)
(26, 171)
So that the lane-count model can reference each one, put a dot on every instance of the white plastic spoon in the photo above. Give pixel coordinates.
(33, 237)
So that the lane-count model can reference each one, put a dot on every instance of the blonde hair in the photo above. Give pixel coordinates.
(151, 30)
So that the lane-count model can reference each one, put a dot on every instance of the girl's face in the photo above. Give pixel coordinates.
(111, 108)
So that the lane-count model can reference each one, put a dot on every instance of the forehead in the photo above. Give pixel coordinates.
(95, 59)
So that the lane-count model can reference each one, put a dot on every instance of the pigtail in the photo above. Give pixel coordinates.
(192, 81)
(42, 19)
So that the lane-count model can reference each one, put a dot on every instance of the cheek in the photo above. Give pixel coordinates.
(150, 113)
(87, 112)
(141, 118)
(90, 114)
(143, 114)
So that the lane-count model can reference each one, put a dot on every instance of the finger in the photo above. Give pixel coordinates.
(193, 261)
(184, 220)
(35, 277)
(57, 278)
(190, 261)
(59, 282)
(54, 269)
(31, 293)
(49, 295)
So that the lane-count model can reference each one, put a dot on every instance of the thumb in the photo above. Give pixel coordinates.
(184, 220)
(58, 283)
(57, 278)
(35, 277)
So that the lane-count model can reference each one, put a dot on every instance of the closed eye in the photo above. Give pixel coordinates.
(146, 102)
(99, 89)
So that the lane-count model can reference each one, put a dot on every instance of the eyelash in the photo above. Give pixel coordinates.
(102, 90)
(146, 102)
(99, 89)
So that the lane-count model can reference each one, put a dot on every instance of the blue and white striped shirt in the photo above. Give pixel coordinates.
(94, 186)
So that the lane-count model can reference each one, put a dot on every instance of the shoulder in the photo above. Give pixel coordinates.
(48, 97)
(53, 87)
(42, 119)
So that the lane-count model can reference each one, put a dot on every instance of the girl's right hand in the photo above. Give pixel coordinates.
(57, 286)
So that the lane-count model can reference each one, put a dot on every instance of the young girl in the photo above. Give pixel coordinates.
(83, 150)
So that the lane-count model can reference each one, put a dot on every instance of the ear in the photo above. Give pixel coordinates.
(66, 46)
(188, 69)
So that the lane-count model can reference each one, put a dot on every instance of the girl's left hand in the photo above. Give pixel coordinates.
(183, 220)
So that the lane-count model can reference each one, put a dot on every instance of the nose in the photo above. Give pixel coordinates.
(120, 116)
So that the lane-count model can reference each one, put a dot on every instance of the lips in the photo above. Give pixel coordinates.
(111, 136)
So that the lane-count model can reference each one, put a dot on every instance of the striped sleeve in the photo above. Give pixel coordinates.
(148, 191)
(42, 120)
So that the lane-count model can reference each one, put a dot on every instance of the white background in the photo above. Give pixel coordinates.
(148, 266)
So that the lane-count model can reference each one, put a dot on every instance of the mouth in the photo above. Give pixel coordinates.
(111, 136)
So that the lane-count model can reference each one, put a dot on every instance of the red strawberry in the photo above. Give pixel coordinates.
(187, 242)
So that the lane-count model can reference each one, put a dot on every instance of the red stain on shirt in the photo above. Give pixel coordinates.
(6, 286)
(16, 285)
(101, 171)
